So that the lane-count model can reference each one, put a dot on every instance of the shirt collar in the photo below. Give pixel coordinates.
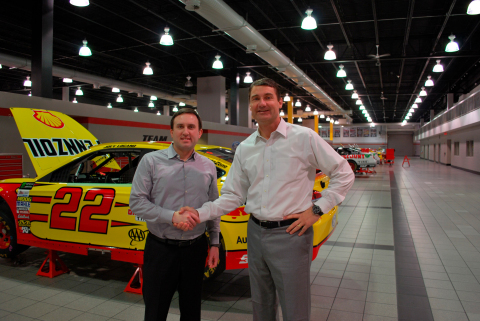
(281, 129)
(171, 153)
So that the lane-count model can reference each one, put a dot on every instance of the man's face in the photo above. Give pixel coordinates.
(264, 104)
(185, 132)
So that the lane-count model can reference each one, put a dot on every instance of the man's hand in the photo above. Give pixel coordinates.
(185, 221)
(305, 220)
(213, 257)
(192, 214)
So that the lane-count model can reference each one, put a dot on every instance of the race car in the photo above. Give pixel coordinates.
(79, 201)
(357, 159)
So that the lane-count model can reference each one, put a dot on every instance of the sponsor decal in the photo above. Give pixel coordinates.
(148, 138)
(23, 192)
(48, 119)
(1, 189)
(25, 229)
(136, 235)
(23, 216)
(27, 185)
(242, 240)
(22, 205)
(138, 219)
(24, 199)
(23, 223)
(23, 211)
(120, 146)
(244, 259)
(219, 164)
(353, 156)
(52, 147)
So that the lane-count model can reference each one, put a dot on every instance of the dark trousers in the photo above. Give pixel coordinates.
(168, 268)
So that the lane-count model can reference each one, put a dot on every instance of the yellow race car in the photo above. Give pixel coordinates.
(79, 200)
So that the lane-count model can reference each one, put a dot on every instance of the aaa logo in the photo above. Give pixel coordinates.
(48, 119)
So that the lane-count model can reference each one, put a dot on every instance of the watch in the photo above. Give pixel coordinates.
(317, 210)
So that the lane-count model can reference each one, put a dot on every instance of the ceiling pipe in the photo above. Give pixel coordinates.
(97, 81)
(227, 20)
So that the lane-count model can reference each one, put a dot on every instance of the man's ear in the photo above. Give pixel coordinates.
(171, 133)
(201, 132)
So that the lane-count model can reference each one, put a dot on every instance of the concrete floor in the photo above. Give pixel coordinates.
(406, 248)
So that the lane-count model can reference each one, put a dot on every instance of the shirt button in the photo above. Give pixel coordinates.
(267, 175)
(265, 191)
(264, 207)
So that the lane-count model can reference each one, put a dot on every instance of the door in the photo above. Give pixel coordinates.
(439, 153)
(402, 142)
(449, 152)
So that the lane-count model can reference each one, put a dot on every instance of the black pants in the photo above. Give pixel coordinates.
(168, 268)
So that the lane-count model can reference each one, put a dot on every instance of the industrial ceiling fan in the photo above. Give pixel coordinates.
(377, 56)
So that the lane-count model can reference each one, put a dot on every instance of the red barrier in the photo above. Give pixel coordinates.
(406, 159)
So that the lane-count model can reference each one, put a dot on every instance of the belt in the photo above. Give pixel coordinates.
(272, 224)
(176, 242)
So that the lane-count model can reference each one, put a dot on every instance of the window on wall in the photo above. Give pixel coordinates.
(469, 148)
(456, 148)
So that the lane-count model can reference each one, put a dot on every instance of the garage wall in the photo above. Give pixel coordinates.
(402, 142)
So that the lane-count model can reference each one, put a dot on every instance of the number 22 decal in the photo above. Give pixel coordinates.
(86, 223)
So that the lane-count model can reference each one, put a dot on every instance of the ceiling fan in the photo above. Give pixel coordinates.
(377, 56)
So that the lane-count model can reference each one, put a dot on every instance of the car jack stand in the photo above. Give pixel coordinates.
(52, 266)
(136, 282)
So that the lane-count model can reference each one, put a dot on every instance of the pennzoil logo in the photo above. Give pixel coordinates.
(48, 119)
(51, 147)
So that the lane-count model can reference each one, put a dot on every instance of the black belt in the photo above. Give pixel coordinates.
(272, 224)
(176, 242)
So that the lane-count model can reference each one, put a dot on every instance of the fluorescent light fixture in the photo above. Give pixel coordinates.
(429, 82)
(217, 64)
(282, 113)
(79, 92)
(159, 113)
(298, 103)
(84, 50)
(67, 80)
(315, 112)
(308, 108)
(189, 83)
(423, 93)
(322, 116)
(354, 95)
(119, 99)
(328, 118)
(286, 98)
(75, 101)
(109, 105)
(181, 104)
(438, 67)
(362, 107)
(147, 70)
(136, 110)
(27, 82)
(330, 54)
(153, 98)
(349, 86)
(166, 39)
(474, 7)
(248, 79)
(151, 104)
(341, 72)
(175, 109)
(358, 102)
(418, 100)
(80, 3)
(452, 46)
(309, 22)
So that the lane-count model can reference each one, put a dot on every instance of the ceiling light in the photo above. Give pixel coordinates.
(341, 72)
(147, 70)
(217, 64)
(364, 111)
(153, 97)
(452, 46)
(404, 122)
(256, 124)
(411, 110)
(119, 99)
(308, 108)
(136, 110)
(309, 22)
(407, 117)
(109, 105)
(418, 100)
(1, 66)
(79, 3)
(409, 114)
(362, 107)
(226, 118)
(282, 113)
(166, 39)
(354, 95)
(423, 93)
(298, 103)
(315, 112)
(67, 80)
(151, 104)
(115, 90)
(331, 120)
(438, 67)
(358, 102)
(30, 94)
(414, 106)
(319, 126)
(330, 54)
(286, 98)
(84, 50)
(248, 79)
(322, 116)
(175, 109)
(372, 125)
(189, 83)
(300, 119)
(27, 82)
(429, 82)
(474, 7)
(328, 118)
(79, 92)
(75, 101)
(159, 113)
(349, 86)
(336, 122)
(181, 104)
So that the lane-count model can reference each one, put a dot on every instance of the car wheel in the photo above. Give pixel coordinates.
(9, 248)
(353, 165)
(209, 273)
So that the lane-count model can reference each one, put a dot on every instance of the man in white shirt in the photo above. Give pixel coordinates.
(273, 172)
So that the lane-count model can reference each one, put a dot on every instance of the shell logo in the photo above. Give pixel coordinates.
(48, 119)
(238, 212)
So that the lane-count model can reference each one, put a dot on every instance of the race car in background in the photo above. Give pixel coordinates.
(79, 201)
(358, 160)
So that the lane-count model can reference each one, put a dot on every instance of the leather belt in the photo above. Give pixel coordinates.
(176, 242)
(272, 224)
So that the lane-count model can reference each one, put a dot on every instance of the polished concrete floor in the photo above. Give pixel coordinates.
(406, 248)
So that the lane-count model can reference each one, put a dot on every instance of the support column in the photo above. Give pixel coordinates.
(42, 48)
(66, 93)
(245, 114)
(315, 117)
(166, 110)
(331, 131)
(211, 99)
(450, 100)
(290, 111)
(432, 114)
(233, 102)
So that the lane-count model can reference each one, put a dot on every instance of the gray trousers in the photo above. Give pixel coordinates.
(279, 263)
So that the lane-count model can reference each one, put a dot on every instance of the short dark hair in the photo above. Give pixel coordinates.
(265, 82)
(186, 111)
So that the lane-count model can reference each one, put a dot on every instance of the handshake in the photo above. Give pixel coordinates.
(186, 218)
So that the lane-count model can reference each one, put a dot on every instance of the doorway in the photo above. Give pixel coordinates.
(449, 152)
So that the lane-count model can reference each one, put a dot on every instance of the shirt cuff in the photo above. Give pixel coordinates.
(214, 238)
(166, 216)
(203, 214)
(324, 205)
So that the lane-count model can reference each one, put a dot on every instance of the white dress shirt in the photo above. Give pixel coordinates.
(275, 177)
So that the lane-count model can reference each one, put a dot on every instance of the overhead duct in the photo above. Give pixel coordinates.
(227, 20)
(97, 81)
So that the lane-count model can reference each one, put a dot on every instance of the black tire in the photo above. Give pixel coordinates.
(9, 248)
(211, 274)
(353, 165)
